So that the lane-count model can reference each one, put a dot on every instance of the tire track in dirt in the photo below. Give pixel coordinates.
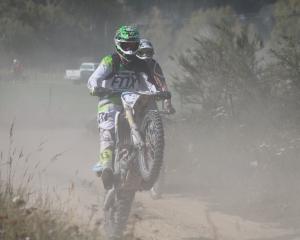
(182, 218)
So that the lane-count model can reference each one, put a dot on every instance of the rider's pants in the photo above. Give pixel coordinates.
(106, 124)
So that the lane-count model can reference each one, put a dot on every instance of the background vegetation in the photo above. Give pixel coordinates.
(239, 89)
(28, 214)
(44, 32)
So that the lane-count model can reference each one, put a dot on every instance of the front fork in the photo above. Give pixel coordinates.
(136, 136)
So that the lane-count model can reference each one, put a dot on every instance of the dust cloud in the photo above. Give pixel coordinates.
(227, 179)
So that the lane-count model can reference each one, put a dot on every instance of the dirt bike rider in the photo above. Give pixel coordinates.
(127, 42)
(145, 53)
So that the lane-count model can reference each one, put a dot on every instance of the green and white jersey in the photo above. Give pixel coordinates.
(113, 74)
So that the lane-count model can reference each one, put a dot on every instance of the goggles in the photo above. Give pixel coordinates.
(129, 46)
(145, 53)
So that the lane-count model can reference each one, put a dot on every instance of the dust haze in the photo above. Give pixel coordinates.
(232, 154)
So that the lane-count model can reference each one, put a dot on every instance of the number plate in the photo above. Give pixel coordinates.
(130, 98)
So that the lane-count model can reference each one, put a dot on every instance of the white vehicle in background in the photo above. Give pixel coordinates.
(72, 75)
(86, 70)
(82, 74)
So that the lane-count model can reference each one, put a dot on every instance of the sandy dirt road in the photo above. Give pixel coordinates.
(68, 154)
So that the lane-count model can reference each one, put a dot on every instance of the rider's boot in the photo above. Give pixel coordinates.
(155, 194)
(105, 169)
(106, 173)
(107, 177)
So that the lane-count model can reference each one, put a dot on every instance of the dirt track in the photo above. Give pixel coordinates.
(186, 218)
(50, 125)
(175, 217)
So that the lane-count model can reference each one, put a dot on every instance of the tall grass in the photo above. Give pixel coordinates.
(30, 215)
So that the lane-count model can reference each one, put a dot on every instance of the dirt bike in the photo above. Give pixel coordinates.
(138, 154)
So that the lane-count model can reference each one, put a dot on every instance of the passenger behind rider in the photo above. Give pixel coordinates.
(145, 53)
(108, 74)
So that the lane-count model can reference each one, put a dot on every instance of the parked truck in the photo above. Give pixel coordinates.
(82, 74)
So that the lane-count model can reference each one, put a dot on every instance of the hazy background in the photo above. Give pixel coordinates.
(233, 67)
(52, 33)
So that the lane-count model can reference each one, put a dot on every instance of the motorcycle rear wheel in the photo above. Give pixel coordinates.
(116, 214)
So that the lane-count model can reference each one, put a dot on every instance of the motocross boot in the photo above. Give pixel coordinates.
(155, 195)
(107, 178)
(107, 175)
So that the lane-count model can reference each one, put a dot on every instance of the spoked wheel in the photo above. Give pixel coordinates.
(116, 213)
(151, 157)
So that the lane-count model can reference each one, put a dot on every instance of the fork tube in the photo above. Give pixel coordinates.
(130, 119)
(136, 136)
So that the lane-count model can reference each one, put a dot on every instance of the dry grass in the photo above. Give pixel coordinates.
(26, 215)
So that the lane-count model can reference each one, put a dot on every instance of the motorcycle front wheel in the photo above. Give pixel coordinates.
(150, 158)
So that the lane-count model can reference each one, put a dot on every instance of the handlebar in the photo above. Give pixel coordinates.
(164, 112)
(160, 95)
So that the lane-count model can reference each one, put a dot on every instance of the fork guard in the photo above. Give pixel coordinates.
(137, 139)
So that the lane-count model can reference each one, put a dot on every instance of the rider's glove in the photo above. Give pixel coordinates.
(168, 106)
(93, 91)
(98, 91)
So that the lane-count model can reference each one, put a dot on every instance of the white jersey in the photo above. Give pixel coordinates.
(124, 79)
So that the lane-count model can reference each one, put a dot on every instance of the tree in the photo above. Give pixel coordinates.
(286, 42)
(43, 31)
(221, 74)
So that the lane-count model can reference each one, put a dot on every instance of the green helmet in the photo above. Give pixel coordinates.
(127, 40)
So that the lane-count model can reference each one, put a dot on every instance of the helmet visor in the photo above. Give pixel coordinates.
(129, 46)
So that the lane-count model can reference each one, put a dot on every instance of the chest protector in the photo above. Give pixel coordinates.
(129, 77)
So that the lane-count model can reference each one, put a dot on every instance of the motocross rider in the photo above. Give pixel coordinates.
(145, 53)
(109, 72)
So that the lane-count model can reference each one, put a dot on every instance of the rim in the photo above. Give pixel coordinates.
(148, 154)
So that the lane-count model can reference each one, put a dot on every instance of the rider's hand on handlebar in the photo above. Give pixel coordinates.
(98, 91)
(168, 106)
(94, 91)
